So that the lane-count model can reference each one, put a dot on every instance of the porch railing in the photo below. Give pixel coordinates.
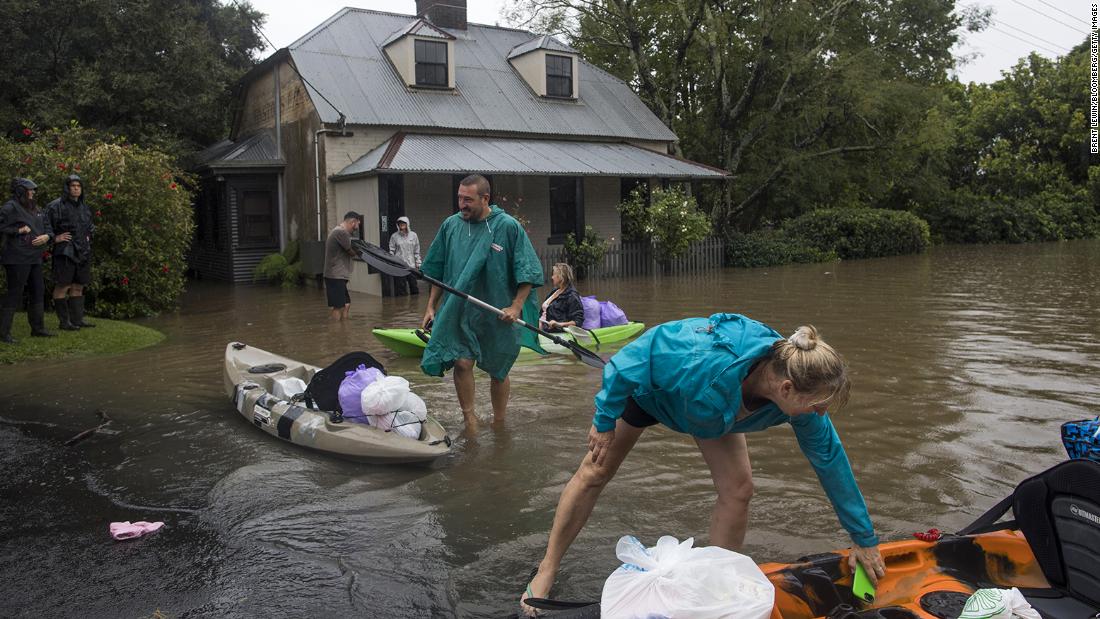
(638, 258)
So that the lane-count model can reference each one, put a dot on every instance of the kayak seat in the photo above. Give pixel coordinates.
(324, 388)
(1058, 511)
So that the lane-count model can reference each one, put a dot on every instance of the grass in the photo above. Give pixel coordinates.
(107, 338)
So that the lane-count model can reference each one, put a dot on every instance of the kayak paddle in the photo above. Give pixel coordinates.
(395, 267)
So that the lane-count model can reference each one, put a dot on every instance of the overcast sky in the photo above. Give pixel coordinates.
(1049, 27)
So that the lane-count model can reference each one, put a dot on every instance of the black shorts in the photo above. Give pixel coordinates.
(67, 271)
(336, 291)
(635, 416)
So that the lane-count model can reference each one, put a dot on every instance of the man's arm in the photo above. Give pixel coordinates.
(515, 310)
(345, 242)
(433, 299)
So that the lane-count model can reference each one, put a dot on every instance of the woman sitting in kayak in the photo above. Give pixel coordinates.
(716, 379)
(562, 307)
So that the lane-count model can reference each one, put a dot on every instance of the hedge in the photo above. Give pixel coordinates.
(969, 218)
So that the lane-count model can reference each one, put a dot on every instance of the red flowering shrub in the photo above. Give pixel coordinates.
(143, 224)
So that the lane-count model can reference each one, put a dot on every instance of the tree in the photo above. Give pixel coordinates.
(159, 72)
(807, 103)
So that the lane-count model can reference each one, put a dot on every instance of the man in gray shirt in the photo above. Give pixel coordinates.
(405, 245)
(338, 255)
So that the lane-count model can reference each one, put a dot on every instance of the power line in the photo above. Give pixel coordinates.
(1078, 17)
(1031, 8)
(1007, 33)
(1025, 32)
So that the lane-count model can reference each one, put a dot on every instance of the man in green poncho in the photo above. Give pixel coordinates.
(484, 252)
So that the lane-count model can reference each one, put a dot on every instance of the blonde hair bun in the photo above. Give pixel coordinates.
(804, 338)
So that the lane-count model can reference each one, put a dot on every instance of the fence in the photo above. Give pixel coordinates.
(627, 259)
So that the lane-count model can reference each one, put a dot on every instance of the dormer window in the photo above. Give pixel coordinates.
(559, 76)
(431, 63)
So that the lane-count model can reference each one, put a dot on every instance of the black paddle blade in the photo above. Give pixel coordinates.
(580, 352)
(381, 259)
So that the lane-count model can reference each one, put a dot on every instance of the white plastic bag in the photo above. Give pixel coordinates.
(408, 420)
(672, 579)
(287, 388)
(998, 604)
(384, 396)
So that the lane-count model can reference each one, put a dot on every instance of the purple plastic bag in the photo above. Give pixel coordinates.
(611, 315)
(591, 313)
(351, 389)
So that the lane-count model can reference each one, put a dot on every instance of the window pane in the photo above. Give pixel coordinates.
(559, 86)
(257, 217)
(563, 205)
(559, 65)
(431, 51)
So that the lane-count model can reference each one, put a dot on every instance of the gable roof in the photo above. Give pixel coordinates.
(343, 59)
(546, 42)
(420, 28)
(255, 151)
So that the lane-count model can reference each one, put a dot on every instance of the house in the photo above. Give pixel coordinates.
(384, 113)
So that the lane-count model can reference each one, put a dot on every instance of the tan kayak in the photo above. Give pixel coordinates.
(250, 380)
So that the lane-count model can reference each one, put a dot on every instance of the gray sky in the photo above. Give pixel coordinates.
(1049, 27)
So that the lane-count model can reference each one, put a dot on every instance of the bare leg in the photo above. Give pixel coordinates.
(77, 290)
(60, 292)
(498, 393)
(464, 388)
(728, 459)
(344, 313)
(335, 313)
(576, 504)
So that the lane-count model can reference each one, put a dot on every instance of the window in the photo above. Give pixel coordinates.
(431, 63)
(559, 76)
(257, 219)
(566, 207)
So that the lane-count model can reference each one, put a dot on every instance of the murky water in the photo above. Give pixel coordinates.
(966, 361)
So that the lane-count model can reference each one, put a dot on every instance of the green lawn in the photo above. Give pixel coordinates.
(108, 337)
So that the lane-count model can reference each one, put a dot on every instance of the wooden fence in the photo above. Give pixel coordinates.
(628, 259)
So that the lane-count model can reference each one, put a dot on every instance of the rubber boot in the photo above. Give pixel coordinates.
(63, 321)
(76, 313)
(6, 317)
(36, 315)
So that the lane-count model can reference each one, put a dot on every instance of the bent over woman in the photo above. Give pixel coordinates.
(716, 379)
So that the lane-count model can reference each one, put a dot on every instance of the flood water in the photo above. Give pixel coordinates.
(965, 360)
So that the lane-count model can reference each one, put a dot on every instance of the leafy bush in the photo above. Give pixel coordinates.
(142, 212)
(586, 254)
(765, 248)
(971, 218)
(283, 268)
(672, 221)
(860, 232)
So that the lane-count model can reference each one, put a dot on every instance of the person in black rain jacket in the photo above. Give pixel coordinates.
(71, 220)
(24, 234)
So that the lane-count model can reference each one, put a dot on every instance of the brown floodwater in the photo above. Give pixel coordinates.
(966, 360)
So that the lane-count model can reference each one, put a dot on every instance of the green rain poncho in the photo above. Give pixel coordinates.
(487, 259)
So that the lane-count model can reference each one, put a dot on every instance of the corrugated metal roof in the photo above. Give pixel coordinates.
(343, 59)
(420, 28)
(544, 42)
(448, 154)
(258, 149)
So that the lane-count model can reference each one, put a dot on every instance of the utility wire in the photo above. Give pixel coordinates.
(1077, 17)
(293, 66)
(1025, 32)
(1007, 33)
(1031, 8)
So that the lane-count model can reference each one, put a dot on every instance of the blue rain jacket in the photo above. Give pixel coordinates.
(687, 374)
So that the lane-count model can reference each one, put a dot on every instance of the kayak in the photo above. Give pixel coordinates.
(411, 342)
(252, 381)
(1050, 552)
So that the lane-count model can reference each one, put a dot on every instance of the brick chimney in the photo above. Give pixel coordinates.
(443, 13)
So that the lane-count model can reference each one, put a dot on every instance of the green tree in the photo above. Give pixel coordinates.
(159, 72)
(141, 207)
(808, 104)
(672, 221)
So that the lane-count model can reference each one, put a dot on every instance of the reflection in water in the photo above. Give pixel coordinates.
(966, 361)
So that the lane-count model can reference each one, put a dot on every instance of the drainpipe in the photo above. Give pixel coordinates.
(342, 132)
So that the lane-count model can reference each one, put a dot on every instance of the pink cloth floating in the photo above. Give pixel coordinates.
(129, 530)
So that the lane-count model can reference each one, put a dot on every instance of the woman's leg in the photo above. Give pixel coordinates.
(576, 504)
(728, 459)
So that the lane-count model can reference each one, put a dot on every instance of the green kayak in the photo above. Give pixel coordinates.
(411, 342)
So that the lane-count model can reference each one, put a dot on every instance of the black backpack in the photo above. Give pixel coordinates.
(324, 388)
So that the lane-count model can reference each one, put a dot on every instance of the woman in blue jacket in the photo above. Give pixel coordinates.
(716, 379)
